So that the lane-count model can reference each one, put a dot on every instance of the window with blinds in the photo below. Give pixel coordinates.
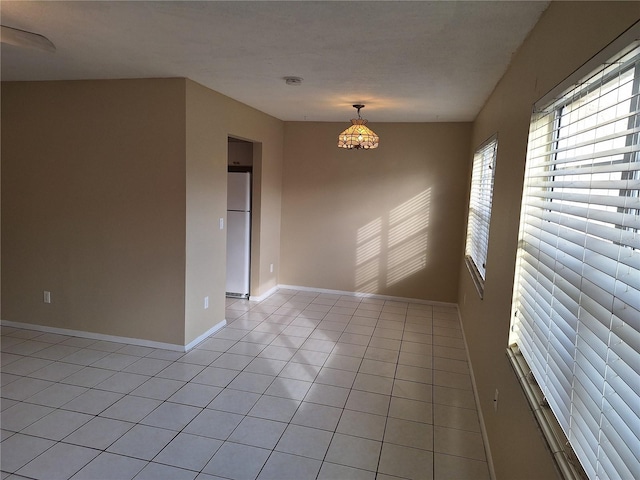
(576, 308)
(484, 161)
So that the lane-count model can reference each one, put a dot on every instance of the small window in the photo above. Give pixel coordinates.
(484, 161)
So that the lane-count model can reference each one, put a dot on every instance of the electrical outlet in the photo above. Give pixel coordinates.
(271, 268)
(206, 302)
(46, 297)
(495, 401)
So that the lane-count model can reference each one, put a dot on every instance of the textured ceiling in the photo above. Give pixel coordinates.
(408, 61)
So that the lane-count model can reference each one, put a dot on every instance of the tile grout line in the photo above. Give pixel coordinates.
(243, 370)
(333, 434)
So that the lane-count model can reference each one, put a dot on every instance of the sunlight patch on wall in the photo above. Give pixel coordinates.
(367, 277)
(411, 225)
(370, 230)
(415, 206)
(406, 259)
(369, 246)
(408, 238)
(368, 250)
(392, 248)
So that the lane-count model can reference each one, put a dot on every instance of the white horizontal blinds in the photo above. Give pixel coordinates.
(480, 204)
(577, 288)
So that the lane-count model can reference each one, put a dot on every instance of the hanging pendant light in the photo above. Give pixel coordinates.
(358, 135)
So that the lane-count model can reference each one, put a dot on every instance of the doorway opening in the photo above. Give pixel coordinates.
(239, 207)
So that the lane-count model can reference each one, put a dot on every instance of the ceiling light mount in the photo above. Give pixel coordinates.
(358, 135)
(358, 106)
(294, 81)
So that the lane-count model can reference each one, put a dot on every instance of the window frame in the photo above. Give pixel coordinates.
(479, 219)
(548, 142)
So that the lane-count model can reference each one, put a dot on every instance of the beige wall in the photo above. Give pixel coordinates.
(93, 206)
(206, 203)
(111, 196)
(385, 221)
(224, 118)
(568, 34)
(211, 119)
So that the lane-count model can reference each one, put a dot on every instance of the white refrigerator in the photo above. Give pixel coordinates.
(238, 233)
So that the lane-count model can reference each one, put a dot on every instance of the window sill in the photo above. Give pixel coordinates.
(478, 281)
(567, 463)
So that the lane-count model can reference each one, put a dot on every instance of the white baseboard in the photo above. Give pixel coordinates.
(204, 336)
(268, 293)
(113, 338)
(476, 396)
(215, 328)
(365, 295)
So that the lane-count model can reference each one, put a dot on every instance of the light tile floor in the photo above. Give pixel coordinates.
(303, 385)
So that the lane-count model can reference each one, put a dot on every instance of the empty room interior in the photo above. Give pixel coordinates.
(440, 258)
